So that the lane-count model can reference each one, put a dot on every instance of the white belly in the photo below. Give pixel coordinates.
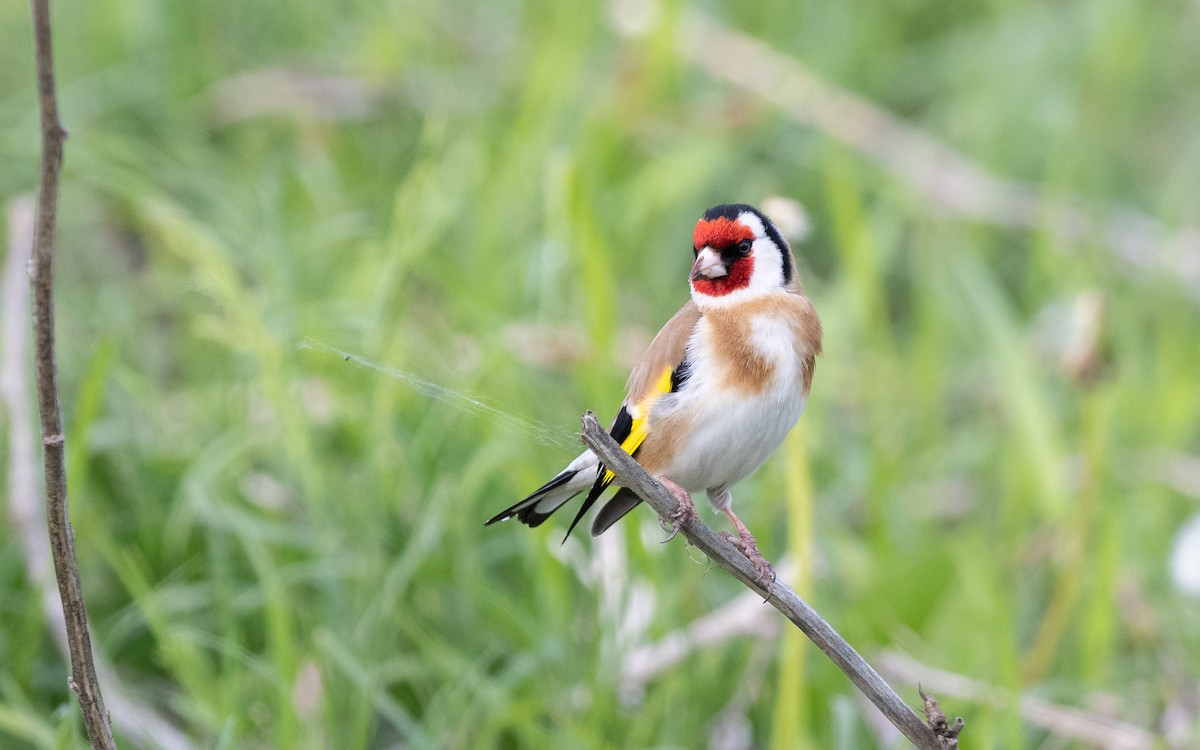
(734, 432)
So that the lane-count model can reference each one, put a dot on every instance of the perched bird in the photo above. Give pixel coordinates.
(719, 387)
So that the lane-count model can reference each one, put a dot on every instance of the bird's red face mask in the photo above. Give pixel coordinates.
(724, 262)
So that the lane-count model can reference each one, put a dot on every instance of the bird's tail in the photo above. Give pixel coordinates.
(552, 495)
(614, 510)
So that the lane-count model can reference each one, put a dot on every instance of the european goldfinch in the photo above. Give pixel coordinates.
(719, 387)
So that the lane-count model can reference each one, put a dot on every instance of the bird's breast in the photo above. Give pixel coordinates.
(755, 348)
(747, 388)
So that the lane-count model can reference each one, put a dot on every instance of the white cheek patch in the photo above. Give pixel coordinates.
(768, 266)
(768, 259)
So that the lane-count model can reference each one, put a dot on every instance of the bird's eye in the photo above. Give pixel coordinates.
(744, 246)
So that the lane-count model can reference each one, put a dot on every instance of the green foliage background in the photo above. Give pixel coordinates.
(283, 549)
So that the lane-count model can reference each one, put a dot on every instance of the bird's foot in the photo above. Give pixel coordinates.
(684, 513)
(747, 545)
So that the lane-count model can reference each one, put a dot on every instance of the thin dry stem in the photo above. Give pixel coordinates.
(62, 544)
(137, 720)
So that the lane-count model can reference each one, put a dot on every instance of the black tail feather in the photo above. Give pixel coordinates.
(615, 509)
(525, 509)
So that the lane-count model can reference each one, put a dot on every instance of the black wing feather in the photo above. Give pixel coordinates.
(621, 428)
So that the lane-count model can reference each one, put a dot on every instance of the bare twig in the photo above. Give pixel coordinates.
(723, 553)
(137, 720)
(886, 733)
(62, 544)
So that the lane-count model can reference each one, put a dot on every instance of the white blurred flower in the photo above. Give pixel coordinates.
(1185, 558)
(789, 217)
(634, 17)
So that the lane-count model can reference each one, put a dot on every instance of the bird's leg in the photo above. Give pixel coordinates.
(684, 513)
(745, 542)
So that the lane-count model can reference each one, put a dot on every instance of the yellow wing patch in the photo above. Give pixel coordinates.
(639, 412)
(632, 422)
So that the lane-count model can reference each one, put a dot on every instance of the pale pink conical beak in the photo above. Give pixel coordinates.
(708, 265)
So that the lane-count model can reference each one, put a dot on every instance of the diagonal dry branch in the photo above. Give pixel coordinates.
(62, 542)
(630, 474)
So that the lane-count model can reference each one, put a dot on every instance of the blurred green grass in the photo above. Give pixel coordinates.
(283, 549)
